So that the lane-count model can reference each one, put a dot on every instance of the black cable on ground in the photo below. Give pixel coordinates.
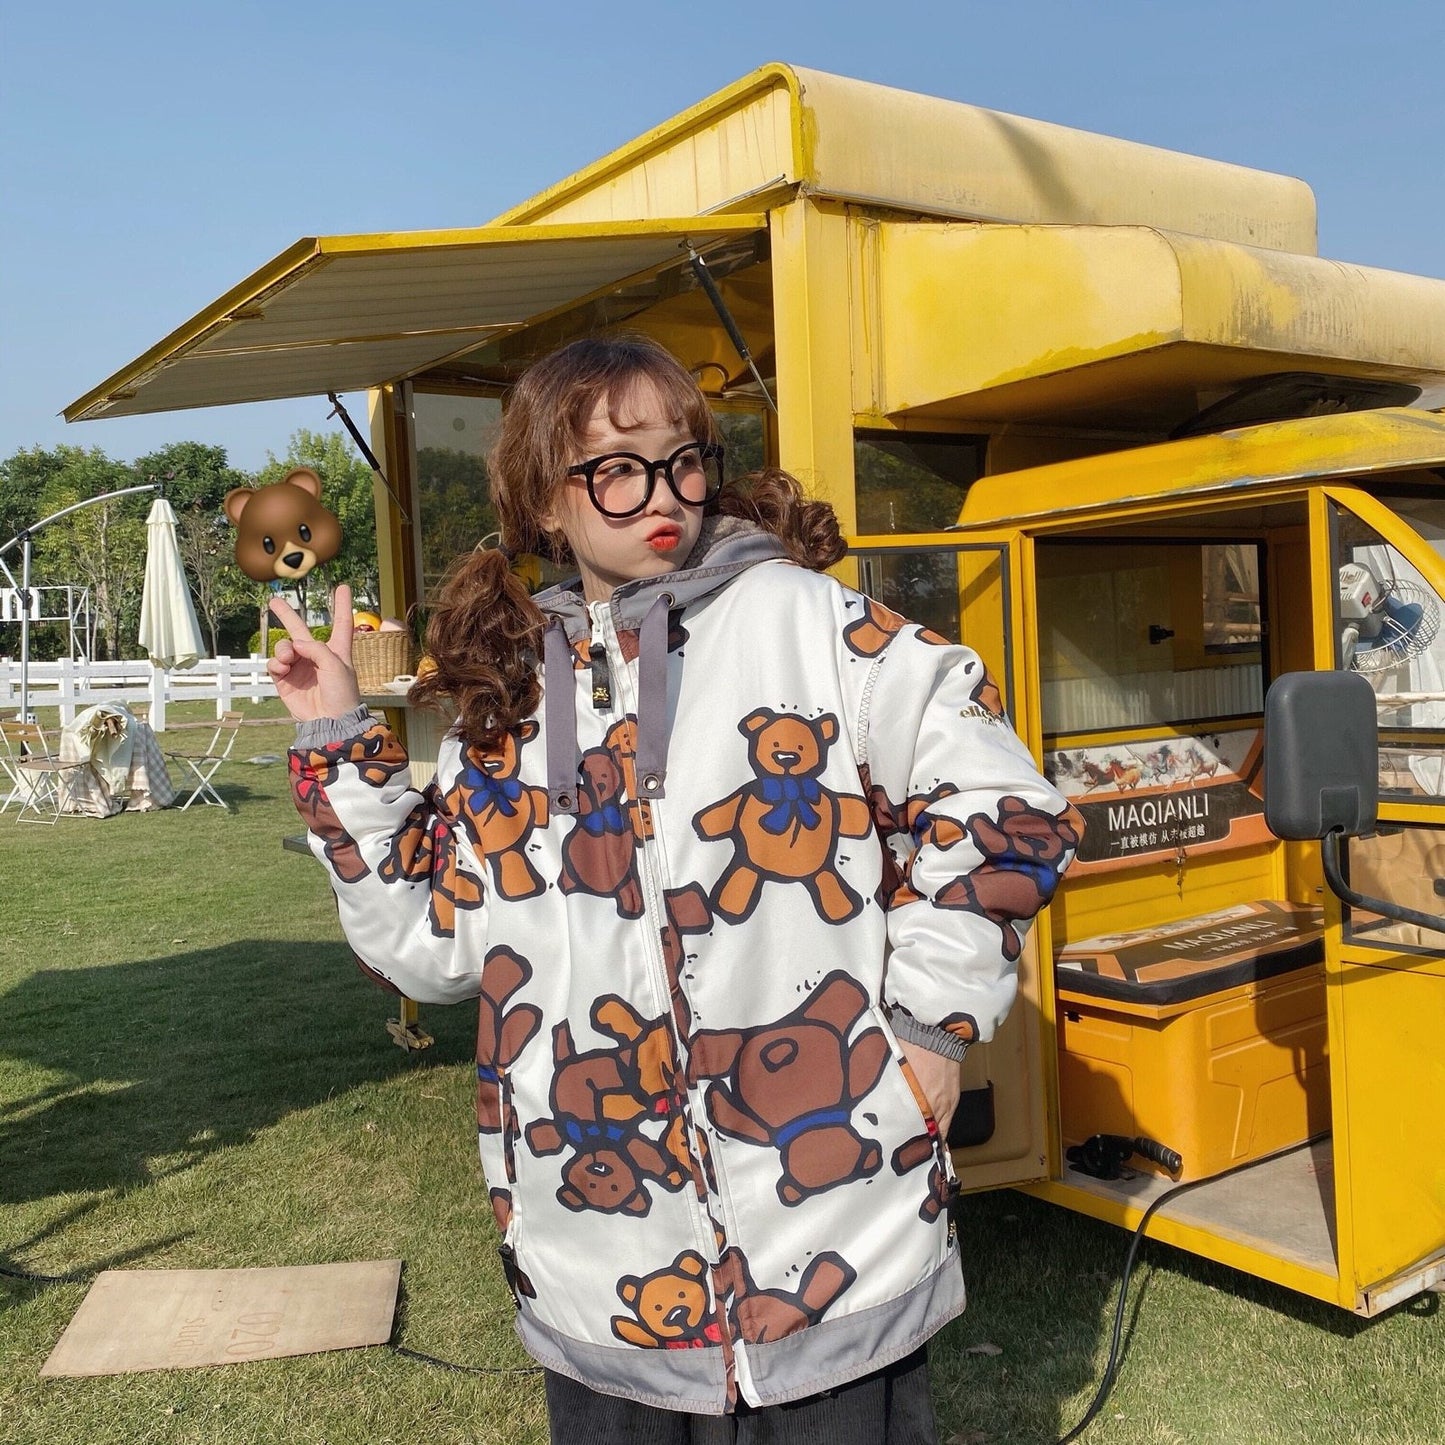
(466, 1369)
(1111, 1368)
(25, 1274)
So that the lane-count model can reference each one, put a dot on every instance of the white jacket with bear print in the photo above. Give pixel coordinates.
(760, 828)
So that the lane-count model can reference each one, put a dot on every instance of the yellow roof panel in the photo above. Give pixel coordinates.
(785, 127)
(345, 313)
(1349, 446)
(1116, 326)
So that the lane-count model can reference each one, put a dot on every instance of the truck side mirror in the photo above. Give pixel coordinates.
(1321, 767)
(1321, 774)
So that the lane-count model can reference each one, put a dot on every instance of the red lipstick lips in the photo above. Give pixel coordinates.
(665, 539)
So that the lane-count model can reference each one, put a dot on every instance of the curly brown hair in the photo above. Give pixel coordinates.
(485, 631)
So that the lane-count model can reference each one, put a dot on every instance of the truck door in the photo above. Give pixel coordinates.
(1386, 981)
(970, 591)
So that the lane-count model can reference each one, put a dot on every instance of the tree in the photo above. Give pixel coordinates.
(346, 489)
(101, 546)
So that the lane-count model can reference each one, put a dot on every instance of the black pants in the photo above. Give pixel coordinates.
(889, 1407)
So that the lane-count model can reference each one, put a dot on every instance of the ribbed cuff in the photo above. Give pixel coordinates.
(320, 731)
(927, 1036)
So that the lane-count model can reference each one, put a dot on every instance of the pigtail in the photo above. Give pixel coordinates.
(776, 502)
(484, 635)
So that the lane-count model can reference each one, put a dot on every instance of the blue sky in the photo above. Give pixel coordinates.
(153, 154)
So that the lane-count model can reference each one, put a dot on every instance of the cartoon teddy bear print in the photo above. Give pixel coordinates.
(922, 828)
(377, 757)
(792, 1085)
(500, 811)
(425, 851)
(599, 854)
(282, 530)
(785, 825)
(1024, 851)
(670, 1307)
(502, 1033)
(877, 627)
(771, 1314)
(600, 1099)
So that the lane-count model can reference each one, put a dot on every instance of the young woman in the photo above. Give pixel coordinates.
(738, 863)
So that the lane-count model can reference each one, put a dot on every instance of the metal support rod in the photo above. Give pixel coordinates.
(366, 451)
(23, 539)
(709, 286)
(1330, 857)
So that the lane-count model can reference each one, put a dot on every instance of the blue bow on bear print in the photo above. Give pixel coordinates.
(792, 799)
(499, 793)
(607, 819)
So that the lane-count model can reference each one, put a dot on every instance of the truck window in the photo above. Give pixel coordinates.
(1135, 633)
(912, 483)
(453, 435)
(1388, 627)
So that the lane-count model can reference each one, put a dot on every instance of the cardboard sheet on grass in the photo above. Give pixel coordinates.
(173, 1319)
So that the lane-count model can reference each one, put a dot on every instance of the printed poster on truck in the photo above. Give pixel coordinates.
(1146, 799)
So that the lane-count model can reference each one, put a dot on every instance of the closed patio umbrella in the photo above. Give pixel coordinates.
(169, 631)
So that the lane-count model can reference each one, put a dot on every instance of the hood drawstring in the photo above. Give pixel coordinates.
(560, 708)
(652, 699)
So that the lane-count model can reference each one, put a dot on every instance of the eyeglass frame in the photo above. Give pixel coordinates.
(708, 451)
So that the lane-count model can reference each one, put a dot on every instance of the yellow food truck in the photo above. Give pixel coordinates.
(1102, 411)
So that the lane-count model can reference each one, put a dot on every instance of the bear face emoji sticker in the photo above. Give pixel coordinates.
(282, 530)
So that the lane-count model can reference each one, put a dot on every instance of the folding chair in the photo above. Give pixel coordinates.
(37, 776)
(203, 766)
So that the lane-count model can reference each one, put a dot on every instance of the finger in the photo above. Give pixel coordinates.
(289, 618)
(342, 620)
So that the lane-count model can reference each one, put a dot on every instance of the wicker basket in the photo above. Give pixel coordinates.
(380, 656)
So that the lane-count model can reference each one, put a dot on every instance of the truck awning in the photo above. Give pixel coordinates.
(346, 313)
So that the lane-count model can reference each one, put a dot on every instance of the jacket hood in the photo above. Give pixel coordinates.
(725, 547)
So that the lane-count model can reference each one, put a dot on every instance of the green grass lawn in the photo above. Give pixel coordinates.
(194, 1075)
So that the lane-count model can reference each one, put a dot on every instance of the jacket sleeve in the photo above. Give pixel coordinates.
(979, 837)
(407, 882)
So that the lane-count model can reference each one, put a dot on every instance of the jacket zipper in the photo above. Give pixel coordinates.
(653, 883)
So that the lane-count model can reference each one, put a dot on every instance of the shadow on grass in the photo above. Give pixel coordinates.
(167, 1060)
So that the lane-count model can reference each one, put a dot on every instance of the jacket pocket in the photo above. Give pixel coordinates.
(929, 1141)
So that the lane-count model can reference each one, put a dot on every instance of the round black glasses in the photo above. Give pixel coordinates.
(620, 484)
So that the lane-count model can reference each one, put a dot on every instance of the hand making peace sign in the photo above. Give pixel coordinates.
(315, 679)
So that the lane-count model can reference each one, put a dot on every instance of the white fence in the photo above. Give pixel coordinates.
(72, 686)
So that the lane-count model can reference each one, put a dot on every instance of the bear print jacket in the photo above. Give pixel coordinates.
(760, 829)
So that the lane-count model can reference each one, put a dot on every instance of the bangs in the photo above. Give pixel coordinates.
(638, 383)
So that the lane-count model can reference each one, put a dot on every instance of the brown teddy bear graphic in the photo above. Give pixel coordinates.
(670, 1307)
(621, 742)
(599, 854)
(425, 851)
(785, 826)
(770, 1314)
(793, 1085)
(687, 912)
(923, 1149)
(282, 530)
(921, 826)
(878, 626)
(502, 1033)
(1023, 855)
(377, 757)
(500, 811)
(599, 1102)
